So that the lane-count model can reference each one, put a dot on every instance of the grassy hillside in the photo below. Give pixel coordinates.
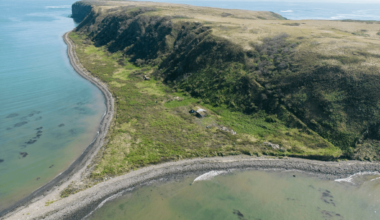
(304, 88)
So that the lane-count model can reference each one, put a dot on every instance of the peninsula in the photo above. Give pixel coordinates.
(230, 88)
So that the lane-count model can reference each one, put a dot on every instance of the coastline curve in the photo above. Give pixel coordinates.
(79, 165)
(78, 205)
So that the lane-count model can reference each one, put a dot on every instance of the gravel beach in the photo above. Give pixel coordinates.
(79, 205)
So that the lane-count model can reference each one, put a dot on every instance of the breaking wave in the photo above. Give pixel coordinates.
(351, 178)
(117, 195)
(209, 175)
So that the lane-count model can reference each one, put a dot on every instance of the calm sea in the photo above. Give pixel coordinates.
(296, 10)
(249, 195)
(48, 113)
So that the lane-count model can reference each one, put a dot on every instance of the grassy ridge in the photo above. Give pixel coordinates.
(302, 90)
(153, 123)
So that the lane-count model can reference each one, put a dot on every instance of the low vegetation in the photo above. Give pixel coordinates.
(153, 123)
(308, 90)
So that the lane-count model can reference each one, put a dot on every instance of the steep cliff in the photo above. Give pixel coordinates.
(80, 10)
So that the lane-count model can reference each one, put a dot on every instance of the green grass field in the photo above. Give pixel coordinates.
(153, 123)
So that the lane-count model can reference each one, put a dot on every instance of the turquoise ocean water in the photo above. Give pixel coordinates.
(48, 113)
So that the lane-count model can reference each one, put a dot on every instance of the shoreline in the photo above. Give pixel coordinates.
(80, 164)
(78, 205)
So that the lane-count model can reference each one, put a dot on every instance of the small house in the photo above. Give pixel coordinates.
(200, 113)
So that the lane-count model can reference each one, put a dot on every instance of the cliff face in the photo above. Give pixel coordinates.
(336, 96)
(80, 10)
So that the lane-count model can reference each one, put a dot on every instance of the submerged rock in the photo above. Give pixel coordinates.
(1, 160)
(73, 132)
(61, 125)
(12, 115)
(331, 215)
(23, 154)
(31, 141)
(239, 214)
(327, 197)
(20, 124)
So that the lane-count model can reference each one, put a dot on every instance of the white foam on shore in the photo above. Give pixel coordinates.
(350, 178)
(375, 179)
(209, 175)
(117, 195)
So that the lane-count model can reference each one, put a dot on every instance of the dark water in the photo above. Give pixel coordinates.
(48, 113)
(250, 195)
(297, 10)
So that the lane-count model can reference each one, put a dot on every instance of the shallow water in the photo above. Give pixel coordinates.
(48, 113)
(249, 195)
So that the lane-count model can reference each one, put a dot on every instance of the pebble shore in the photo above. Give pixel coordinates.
(81, 204)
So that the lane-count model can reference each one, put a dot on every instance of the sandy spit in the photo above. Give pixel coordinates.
(50, 191)
(77, 206)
